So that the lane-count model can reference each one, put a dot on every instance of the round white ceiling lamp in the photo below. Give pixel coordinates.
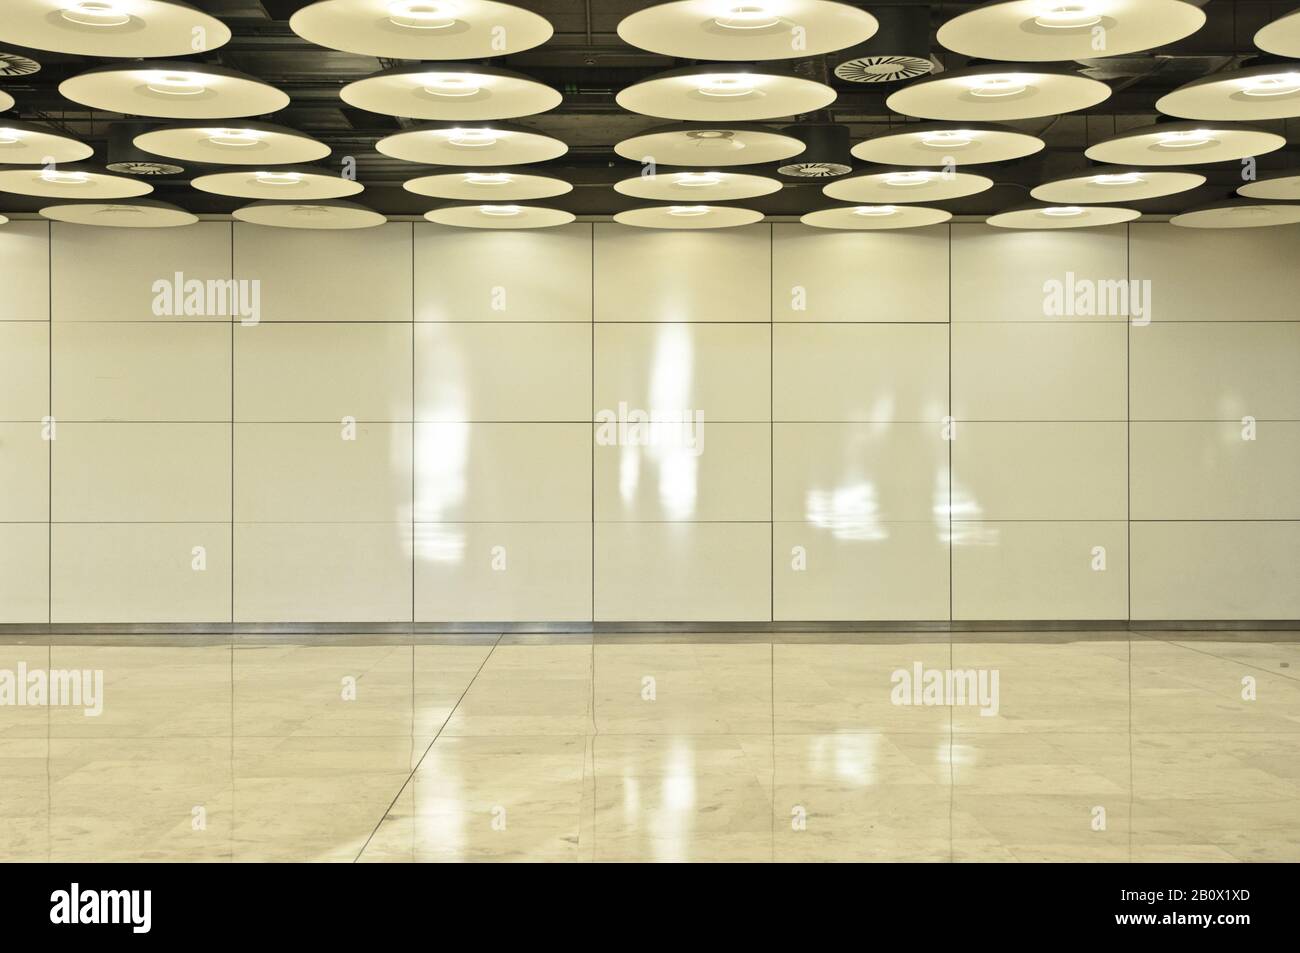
(1239, 213)
(875, 218)
(1282, 36)
(421, 29)
(471, 144)
(499, 215)
(243, 143)
(1184, 143)
(1049, 216)
(1284, 186)
(282, 183)
(935, 144)
(725, 93)
(693, 186)
(488, 185)
(998, 92)
(699, 144)
(906, 186)
(328, 215)
(1250, 94)
(127, 28)
(75, 181)
(25, 143)
(1105, 184)
(169, 90)
(6, 101)
(450, 92)
(692, 216)
(4, 220)
(1054, 30)
(746, 29)
(127, 213)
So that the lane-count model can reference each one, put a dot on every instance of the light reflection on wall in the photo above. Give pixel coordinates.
(441, 461)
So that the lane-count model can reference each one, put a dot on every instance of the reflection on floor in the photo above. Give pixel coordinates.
(1080, 746)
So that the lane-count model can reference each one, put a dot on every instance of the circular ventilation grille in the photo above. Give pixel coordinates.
(882, 69)
(815, 170)
(11, 64)
(142, 167)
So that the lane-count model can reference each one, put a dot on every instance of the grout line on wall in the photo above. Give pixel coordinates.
(951, 607)
(232, 323)
(771, 434)
(413, 414)
(49, 409)
(592, 406)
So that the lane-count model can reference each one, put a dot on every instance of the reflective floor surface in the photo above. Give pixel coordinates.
(1042, 746)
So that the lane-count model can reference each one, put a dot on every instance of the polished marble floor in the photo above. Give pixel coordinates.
(1115, 746)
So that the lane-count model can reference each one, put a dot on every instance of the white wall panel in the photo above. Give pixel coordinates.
(24, 370)
(24, 474)
(25, 271)
(24, 572)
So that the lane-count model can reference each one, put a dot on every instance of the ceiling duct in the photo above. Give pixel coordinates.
(16, 61)
(826, 154)
(124, 157)
(899, 50)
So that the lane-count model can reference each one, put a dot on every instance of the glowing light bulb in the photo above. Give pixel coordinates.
(948, 139)
(487, 178)
(95, 13)
(234, 138)
(1063, 211)
(750, 16)
(421, 14)
(1069, 16)
(501, 211)
(56, 177)
(175, 84)
(695, 180)
(1278, 84)
(278, 178)
(875, 211)
(1121, 178)
(1185, 139)
(450, 85)
(688, 211)
(727, 86)
(9, 137)
(905, 179)
(995, 87)
(471, 138)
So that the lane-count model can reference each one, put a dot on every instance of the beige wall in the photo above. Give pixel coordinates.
(474, 365)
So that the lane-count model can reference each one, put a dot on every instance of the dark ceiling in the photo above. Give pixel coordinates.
(589, 64)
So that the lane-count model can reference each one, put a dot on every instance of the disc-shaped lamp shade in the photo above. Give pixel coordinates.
(243, 143)
(1106, 184)
(725, 93)
(875, 217)
(499, 215)
(693, 186)
(1048, 30)
(488, 185)
(1239, 213)
(421, 29)
(1283, 186)
(826, 153)
(4, 219)
(701, 144)
(1184, 143)
(25, 143)
(998, 92)
(280, 183)
(1251, 94)
(173, 90)
(452, 91)
(688, 216)
(471, 144)
(746, 29)
(6, 101)
(1049, 216)
(899, 50)
(125, 157)
(906, 185)
(128, 28)
(314, 215)
(1282, 36)
(126, 213)
(72, 182)
(932, 144)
